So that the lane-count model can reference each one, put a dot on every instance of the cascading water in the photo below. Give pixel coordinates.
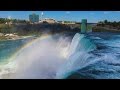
(47, 58)
(39, 59)
(58, 57)
(105, 59)
(78, 56)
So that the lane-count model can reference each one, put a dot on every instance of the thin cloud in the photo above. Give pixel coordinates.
(117, 11)
(106, 12)
(92, 13)
(67, 12)
(9, 17)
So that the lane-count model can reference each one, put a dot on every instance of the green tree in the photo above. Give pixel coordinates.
(105, 22)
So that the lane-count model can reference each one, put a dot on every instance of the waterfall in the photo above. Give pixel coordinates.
(78, 56)
(49, 58)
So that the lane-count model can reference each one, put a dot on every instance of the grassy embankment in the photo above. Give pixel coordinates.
(36, 29)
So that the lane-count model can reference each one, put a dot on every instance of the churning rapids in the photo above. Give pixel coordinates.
(94, 55)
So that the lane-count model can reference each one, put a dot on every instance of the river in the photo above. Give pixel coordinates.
(90, 56)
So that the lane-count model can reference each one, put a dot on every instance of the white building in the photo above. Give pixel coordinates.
(48, 20)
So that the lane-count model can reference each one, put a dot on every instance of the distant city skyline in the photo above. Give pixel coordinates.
(91, 16)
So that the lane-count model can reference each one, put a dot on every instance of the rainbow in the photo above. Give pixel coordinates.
(26, 46)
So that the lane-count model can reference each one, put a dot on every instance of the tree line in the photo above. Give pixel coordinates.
(114, 24)
(4, 20)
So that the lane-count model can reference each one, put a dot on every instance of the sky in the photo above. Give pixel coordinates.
(91, 16)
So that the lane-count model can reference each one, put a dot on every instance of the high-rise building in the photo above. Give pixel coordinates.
(33, 18)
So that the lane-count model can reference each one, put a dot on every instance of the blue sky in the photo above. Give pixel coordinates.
(91, 16)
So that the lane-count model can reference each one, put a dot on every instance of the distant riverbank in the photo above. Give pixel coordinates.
(104, 29)
(13, 32)
(107, 26)
(11, 36)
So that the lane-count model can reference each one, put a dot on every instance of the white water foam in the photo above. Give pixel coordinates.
(48, 58)
(78, 56)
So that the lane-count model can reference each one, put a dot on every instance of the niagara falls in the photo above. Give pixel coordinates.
(45, 48)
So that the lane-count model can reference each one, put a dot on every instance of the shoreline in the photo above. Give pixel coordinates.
(14, 38)
(105, 29)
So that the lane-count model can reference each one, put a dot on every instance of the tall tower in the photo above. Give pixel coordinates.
(42, 15)
(84, 26)
(34, 18)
